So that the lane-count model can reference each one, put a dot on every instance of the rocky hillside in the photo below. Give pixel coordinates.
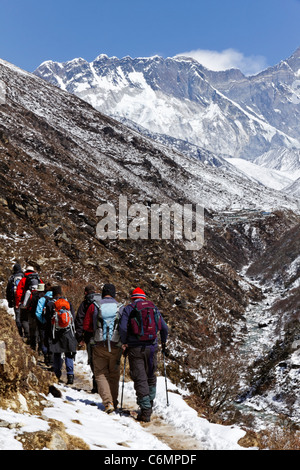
(60, 159)
(23, 383)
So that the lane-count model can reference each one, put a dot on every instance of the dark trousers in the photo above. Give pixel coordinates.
(58, 363)
(143, 365)
(22, 322)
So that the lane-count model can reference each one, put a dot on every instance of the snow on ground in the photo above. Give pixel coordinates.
(82, 414)
(271, 178)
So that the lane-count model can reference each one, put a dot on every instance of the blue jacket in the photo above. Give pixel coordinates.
(131, 339)
(40, 307)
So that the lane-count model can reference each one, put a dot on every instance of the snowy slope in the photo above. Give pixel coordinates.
(82, 125)
(285, 161)
(281, 159)
(174, 96)
(293, 189)
(83, 416)
(271, 178)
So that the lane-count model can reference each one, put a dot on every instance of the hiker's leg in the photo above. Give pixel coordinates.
(24, 323)
(151, 367)
(57, 364)
(114, 374)
(101, 371)
(139, 376)
(18, 320)
(69, 363)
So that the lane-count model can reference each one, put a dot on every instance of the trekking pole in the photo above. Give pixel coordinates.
(125, 357)
(164, 357)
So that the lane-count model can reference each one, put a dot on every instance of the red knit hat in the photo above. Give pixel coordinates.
(138, 294)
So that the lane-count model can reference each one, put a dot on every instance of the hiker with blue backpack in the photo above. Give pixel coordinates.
(40, 314)
(102, 320)
(139, 326)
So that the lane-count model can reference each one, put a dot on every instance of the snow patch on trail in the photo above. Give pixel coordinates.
(82, 415)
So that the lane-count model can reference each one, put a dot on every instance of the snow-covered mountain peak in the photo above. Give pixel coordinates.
(225, 113)
(213, 187)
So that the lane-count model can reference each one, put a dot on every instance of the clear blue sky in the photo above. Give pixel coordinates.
(32, 31)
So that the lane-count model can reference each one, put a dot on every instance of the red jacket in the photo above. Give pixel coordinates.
(88, 324)
(21, 289)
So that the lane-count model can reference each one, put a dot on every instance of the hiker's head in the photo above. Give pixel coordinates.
(89, 290)
(138, 294)
(109, 289)
(48, 287)
(30, 268)
(17, 268)
(56, 291)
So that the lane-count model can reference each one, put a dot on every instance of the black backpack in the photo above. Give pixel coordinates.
(93, 299)
(31, 284)
(12, 287)
(32, 281)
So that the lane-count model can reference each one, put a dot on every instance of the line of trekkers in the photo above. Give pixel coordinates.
(47, 321)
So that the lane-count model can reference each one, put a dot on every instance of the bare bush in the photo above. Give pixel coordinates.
(217, 373)
(282, 436)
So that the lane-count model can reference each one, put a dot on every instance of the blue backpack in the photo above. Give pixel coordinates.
(108, 317)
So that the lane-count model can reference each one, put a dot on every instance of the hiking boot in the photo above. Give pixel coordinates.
(95, 388)
(145, 415)
(109, 408)
(70, 380)
(58, 376)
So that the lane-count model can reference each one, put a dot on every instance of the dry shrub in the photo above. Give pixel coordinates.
(217, 373)
(280, 438)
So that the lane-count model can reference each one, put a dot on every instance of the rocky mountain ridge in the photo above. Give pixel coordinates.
(61, 159)
(225, 113)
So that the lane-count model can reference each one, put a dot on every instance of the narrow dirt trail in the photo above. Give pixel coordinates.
(170, 436)
(165, 432)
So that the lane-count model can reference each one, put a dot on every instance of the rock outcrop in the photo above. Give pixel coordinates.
(24, 384)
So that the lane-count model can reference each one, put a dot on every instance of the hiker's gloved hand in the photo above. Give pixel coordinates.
(125, 349)
(163, 347)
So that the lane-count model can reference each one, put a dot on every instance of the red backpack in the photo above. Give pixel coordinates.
(145, 320)
(62, 317)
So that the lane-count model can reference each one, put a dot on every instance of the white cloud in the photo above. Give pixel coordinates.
(228, 59)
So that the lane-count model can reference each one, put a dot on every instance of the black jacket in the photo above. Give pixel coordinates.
(61, 341)
(80, 334)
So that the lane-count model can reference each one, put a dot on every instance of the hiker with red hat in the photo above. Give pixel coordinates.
(140, 324)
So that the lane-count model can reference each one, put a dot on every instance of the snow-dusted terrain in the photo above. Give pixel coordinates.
(226, 113)
(50, 136)
(83, 416)
(214, 188)
(271, 178)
